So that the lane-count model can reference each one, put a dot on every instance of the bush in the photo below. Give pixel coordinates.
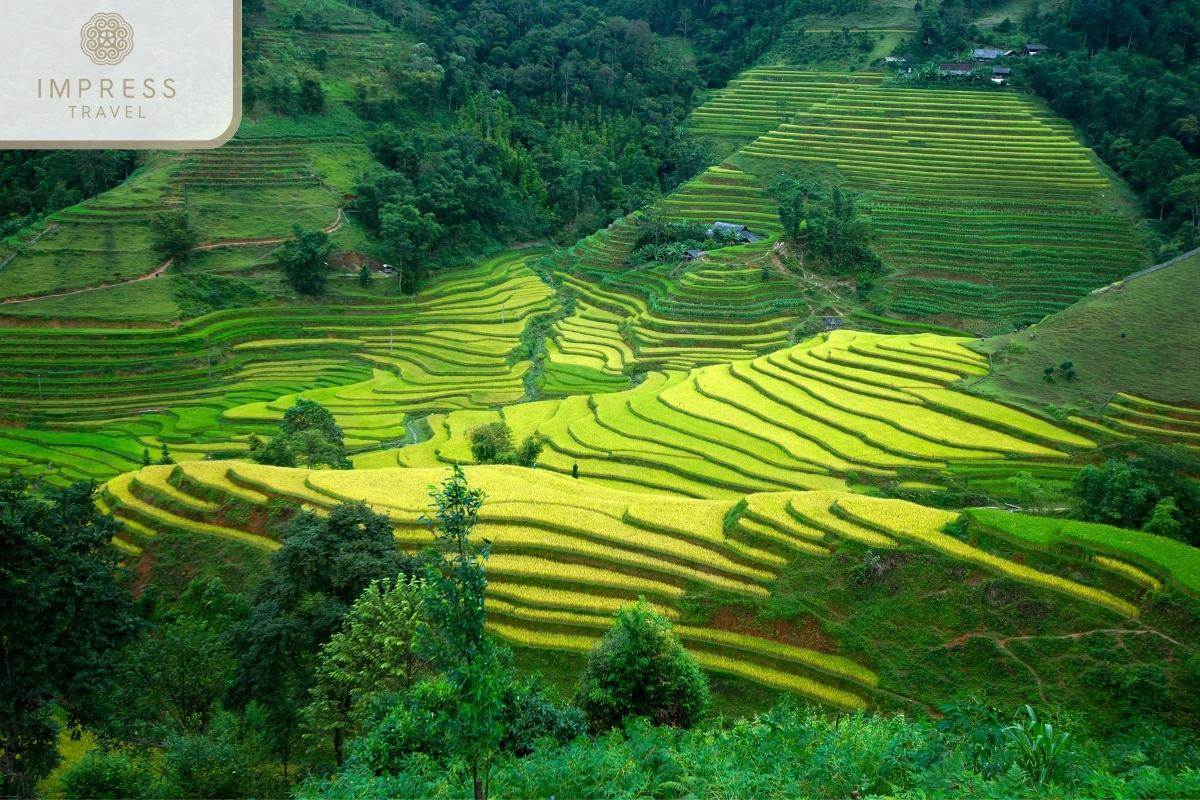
(402, 726)
(101, 774)
(533, 715)
(492, 444)
(639, 669)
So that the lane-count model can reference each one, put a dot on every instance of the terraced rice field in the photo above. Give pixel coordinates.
(1129, 416)
(801, 418)
(564, 560)
(763, 98)
(985, 203)
(243, 191)
(681, 314)
(206, 385)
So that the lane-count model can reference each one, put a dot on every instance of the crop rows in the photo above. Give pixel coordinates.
(1137, 416)
(565, 560)
(554, 585)
(1165, 557)
(209, 383)
(799, 419)
(994, 206)
(760, 99)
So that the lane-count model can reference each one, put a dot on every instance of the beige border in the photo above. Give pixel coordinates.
(191, 144)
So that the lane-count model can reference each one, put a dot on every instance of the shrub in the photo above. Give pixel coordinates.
(101, 774)
(640, 669)
(492, 444)
(1164, 520)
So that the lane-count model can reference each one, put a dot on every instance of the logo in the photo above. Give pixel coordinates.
(106, 39)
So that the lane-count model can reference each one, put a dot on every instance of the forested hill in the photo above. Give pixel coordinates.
(508, 119)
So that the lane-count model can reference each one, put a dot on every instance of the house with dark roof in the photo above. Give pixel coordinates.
(1034, 49)
(1000, 74)
(742, 233)
(986, 53)
(692, 255)
(955, 69)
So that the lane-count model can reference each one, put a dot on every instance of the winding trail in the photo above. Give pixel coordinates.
(159, 270)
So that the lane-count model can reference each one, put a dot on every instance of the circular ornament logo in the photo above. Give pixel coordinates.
(106, 39)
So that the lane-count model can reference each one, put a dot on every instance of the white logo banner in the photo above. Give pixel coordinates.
(120, 73)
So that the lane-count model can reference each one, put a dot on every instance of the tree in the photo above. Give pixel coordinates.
(175, 677)
(303, 260)
(527, 454)
(275, 453)
(640, 669)
(1185, 191)
(364, 276)
(1164, 520)
(309, 415)
(311, 97)
(63, 621)
(827, 226)
(410, 235)
(1029, 492)
(324, 566)
(145, 457)
(1117, 493)
(310, 431)
(490, 442)
(374, 653)
(172, 235)
(456, 640)
(165, 457)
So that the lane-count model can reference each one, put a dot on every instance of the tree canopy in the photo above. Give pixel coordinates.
(63, 620)
(302, 260)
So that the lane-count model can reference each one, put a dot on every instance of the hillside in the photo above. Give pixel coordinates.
(839, 449)
(1132, 339)
(768, 588)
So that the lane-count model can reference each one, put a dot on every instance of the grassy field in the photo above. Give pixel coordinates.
(1134, 348)
(728, 572)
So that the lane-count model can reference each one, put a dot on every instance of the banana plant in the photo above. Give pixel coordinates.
(1039, 750)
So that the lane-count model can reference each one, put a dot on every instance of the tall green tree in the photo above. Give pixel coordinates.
(1185, 192)
(325, 564)
(176, 676)
(63, 622)
(1119, 493)
(374, 653)
(826, 224)
(303, 260)
(410, 235)
(455, 639)
(310, 432)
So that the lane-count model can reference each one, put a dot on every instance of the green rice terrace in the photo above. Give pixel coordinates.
(985, 204)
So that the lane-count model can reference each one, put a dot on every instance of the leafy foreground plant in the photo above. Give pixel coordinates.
(793, 751)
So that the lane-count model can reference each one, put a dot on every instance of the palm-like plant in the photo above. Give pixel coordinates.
(1039, 749)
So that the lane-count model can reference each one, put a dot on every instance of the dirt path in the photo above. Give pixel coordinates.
(159, 270)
